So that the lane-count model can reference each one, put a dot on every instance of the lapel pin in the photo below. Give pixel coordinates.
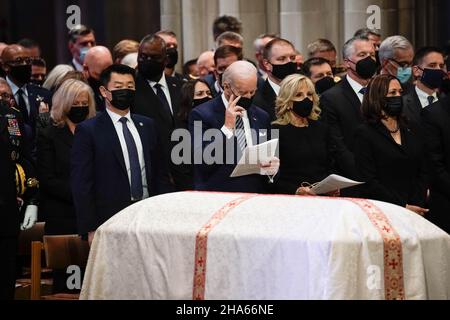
(141, 124)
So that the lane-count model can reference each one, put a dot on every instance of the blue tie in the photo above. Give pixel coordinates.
(162, 98)
(136, 174)
(363, 90)
(430, 100)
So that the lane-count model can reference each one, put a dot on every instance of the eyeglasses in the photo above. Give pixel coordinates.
(152, 57)
(6, 96)
(401, 64)
(242, 94)
(20, 61)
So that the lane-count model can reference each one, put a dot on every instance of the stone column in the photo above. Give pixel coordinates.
(171, 20)
(303, 21)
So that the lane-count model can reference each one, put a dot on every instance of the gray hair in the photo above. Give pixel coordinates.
(55, 76)
(230, 36)
(349, 47)
(258, 43)
(390, 44)
(239, 69)
(320, 45)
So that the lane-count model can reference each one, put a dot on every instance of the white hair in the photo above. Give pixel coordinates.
(239, 69)
(349, 47)
(390, 44)
(130, 60)
(55, 76)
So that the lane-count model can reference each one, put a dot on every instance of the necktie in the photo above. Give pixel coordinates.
(363, 90)
(430, 100)
(22, 105)
(162, 98)
(136, 174)
(240, 133)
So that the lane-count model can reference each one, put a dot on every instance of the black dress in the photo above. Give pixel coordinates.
(53, 163)
(305, 155)
(393, 173)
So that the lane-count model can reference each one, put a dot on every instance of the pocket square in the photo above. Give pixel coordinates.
(263, 134)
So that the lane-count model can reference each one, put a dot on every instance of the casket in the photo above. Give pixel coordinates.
(201, 245)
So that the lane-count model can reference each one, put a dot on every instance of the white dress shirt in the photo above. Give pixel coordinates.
(356, 87)
(229, 133)
(14, 90)
(78, 67)
(423, 97)
(115, 118)
(164, 88)
(275, 87)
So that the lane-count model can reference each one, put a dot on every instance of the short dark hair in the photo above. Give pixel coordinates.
(230, 36)
(226, 51)
(226, 23)
(366, 32)
(152, 38)
(105, 76)
(423, 52)
(79, 30)
(306, 67)
(374, 99)
(38, 62)
(28, 43)
(268, 48)
(187, 65)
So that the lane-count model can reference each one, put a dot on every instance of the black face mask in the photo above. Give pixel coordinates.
(2, 73)
(302, 108)
(245, 102)
(21, 73)
(122, 99)
(432, 78)
(324, 84)
(5, 107)
(197, 102)
(377, 59)
(78, 114)
(172, 55)
(151, 70)
(366, 68)
(393, 106)
(281, 71)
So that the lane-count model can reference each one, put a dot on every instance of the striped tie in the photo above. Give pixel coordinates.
(240, 133)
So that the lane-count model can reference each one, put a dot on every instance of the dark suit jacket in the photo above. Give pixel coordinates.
(342, 111)
(265, 99)
(436, 119)
(216, 177)
(148, 104)
(211, 80)
(99, 180)
(53, 163)
(391, 172)
(412, 107)
(34, 92)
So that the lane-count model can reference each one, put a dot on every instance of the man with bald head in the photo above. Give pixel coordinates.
(97, 59)
(157, 94)
(205, 64)
(16, 61)
(239, 123)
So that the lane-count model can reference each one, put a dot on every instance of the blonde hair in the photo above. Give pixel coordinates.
(65, 96)
(55, 76)
(288, 90)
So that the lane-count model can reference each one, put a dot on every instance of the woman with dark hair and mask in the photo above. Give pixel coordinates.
(193, 93)
(304, 150)
(73, 102)
(389, 150)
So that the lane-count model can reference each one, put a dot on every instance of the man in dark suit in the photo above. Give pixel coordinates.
(279, 62)
(429, 70)
(116, 159)
(157, 95)
(81, 39)
(436, 119)
(341, 104)
(18, 188)
(17, 62)
(236, 123)
(224, 56)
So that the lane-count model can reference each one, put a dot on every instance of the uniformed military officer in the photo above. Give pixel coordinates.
(18, 188)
